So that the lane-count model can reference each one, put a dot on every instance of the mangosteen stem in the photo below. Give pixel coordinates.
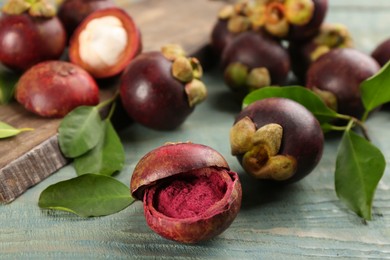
(108, 101)
(111, 112)
(362, 127)
(365, 115)
(352, 122)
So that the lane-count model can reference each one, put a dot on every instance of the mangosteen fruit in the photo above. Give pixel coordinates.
(54, 88)
(336, 77)
(330, 36)
(105, 42)
(188, 191)
(73, 12)
(382, 52)
(232, 20)
(305, 18)
(277, 139)
(253, 60)
(293, 20)
(160, 89)
(30, 32)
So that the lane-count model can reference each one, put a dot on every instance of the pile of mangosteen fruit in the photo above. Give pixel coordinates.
(275, 43)
(189, 192)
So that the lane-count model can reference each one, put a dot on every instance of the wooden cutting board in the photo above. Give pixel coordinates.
(30, 157)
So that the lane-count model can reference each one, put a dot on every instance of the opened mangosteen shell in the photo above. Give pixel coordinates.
(73, 12)
(133, 47)
(170, 162)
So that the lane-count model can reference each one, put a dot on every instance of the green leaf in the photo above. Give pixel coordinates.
(375, 91)
(299, 94)
(359, 168)
(8, 81)
(107, 157)
(7, 130)
(80, 131)
(88, 195)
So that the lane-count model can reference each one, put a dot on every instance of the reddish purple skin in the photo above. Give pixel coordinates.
(26, 41)
(220, 37)
(132, 48)
(341, 71)
(302, 135)
(54, 88)
(309, 30)
(254, 49)
(169, 160)
(382, 52)
(181, 164)
(73, 12)
(300, 57)
(150, 94)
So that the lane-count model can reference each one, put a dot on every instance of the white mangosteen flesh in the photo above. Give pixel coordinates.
(102, 42)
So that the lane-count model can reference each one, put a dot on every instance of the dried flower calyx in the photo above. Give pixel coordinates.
(37, 8)
(187, 70)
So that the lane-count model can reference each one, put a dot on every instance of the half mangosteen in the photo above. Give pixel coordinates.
(73, 12)
(105, 42)
(189, 193)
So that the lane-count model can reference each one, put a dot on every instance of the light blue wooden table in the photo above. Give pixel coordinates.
(304, 220)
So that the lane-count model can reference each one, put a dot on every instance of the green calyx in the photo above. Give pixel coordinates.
(299, 12)
(334, 35)
(187, 70)
(35, 8)
(331, 36)
(236, 73)
(240, 76)
(260, 150)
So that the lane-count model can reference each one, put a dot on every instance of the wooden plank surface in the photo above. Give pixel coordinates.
(302, 221)
(160, 22)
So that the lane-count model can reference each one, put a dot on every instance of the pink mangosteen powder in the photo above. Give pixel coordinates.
(190, 194)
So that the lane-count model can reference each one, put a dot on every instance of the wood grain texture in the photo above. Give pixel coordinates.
(160, 22)
(301, 221)
(30, 168)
